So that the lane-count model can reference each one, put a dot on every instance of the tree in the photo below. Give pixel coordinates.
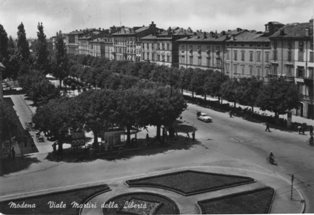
(61, 59)
(249, 90)
(278, 96)
(41, 49)
(230, 91)
(22, 44)
(3, 44)
(213, 84)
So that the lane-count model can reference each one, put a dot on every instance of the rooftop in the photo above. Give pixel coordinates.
(295, 30)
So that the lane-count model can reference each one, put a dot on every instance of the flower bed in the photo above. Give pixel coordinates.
(250, 202)
(190, 182)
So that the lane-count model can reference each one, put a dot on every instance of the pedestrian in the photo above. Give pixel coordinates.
(267, 127)
(230, 113)
(147, 139)
(187, 135)
(303, 128)
(193, 135)
(299, 129)
(311, 130)
(13, 153)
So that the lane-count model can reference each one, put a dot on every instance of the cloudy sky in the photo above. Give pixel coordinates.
(209, 15)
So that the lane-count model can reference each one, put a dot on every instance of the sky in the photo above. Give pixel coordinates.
(206, 15)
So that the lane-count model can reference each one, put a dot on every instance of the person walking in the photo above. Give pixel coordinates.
(13, 153)
(267, 127)
(311, 130)
(193, 135)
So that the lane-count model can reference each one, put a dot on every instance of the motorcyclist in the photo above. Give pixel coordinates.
(271, 158)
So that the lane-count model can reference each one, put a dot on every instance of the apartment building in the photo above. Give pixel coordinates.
(101, 47)
(293, 57)
(72, 41)
(163, 48)
(127, 42)
(202, 50)
(247, 54)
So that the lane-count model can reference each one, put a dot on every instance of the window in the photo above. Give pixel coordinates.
(243, 69)
(158, 57)
(168, 58)
(258, 71)
(266, 57)
(208, 61)
(228, 55)
(182, 59)
(300, 72)
(251, 56)
(235, 55)
(235, 66)
(251, 70)
(168, 46)
(311, 73)
(312, 56)
(275, 68)
(153, 56)
(258, 56)
(243, 55)
(301, 46)
(275, 55)
(200, 60)
(191, 60)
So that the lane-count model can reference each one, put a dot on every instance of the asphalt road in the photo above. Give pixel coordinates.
(227, 141)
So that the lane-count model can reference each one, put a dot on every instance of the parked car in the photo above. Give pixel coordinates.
(204, 117)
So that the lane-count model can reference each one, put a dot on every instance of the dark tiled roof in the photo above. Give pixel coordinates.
(295, 30)
(249, 36)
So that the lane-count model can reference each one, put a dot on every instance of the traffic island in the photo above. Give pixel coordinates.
(190, 182)
(250, 202)
(140, 203)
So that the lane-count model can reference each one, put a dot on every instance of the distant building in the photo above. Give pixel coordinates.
(247, 54)
(202, 50)
(162, 48)
(72, 41)
(293, 57)
(127, 44)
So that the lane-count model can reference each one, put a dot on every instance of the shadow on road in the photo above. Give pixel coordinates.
(8, 166)
(141, 148)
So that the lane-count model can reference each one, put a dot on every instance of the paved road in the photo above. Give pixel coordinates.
(225, 142)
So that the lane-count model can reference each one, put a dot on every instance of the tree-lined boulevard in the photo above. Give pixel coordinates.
(231, 142)
(146, 97)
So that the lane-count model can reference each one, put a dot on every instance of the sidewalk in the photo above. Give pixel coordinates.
(295, 118)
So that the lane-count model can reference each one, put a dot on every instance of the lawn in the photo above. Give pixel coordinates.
(141, 204)
(191, 182)
(251, 202)
(42, 206)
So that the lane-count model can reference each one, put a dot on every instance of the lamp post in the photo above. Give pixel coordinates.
(1, 112)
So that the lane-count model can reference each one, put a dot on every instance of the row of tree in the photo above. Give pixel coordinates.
(99, 110)
(278, 95)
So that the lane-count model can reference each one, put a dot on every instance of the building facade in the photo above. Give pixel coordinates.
(163, 48)
(127, 44)
(247, 54)
(293, 57)
(202, 50)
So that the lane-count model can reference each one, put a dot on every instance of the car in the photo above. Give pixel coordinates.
(204, 117)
